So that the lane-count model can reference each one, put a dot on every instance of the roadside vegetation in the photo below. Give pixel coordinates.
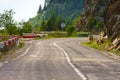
(10, 32)
(94, 44)
(102, 46)
(8, 26)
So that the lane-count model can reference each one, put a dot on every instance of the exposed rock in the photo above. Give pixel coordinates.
(103, 38)
(112, 18)
(108, 13)
(91, 38)
(118, 48)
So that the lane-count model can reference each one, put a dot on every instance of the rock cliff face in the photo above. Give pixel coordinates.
(101, 15)
(112, 18)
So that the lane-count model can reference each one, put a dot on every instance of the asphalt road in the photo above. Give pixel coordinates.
(61, 59)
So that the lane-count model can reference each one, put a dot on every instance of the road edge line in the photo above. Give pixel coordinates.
(22, 54)
(81, 75)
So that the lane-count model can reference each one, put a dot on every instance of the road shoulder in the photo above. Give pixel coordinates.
(106, 53)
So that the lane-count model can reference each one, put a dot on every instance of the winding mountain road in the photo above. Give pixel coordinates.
(61, 59)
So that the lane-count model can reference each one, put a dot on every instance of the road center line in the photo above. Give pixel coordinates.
(81, 75)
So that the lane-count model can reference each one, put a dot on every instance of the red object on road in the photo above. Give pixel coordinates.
(28, 36)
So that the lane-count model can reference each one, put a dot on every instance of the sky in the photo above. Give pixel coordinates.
(24, 9)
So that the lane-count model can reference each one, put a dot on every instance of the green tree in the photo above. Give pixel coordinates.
(7, 21)
(65, 8)
(70, 29)
(27, 27)
(20, 31)
(6, 18)
(12, 29)
(51, 22)
(40, 9)
(58, 23)
(95, 25)
(91, 24)
(43, 26)
(36, 30)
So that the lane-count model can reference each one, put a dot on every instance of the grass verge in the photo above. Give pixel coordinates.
(93, 44)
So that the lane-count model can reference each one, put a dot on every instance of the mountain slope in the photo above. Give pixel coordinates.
(65, 8)
(100, 15)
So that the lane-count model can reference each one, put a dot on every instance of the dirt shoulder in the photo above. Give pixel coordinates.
(15, 52)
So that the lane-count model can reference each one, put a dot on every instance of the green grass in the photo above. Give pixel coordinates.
(94, 44)
(114, 51)
(1, 56)
(21, 45)
(59, 34)
(99, 46)
(83, 34)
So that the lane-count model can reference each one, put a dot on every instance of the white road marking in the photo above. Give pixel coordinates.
(103, 65)
(1, 65)
(81, 75)
(22, 54)
(5, 62)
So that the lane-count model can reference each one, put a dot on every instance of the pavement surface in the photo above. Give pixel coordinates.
(60, 59)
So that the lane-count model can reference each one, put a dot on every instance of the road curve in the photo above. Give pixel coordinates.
(43, 60)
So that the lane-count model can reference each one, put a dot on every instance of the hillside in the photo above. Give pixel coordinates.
(102, 15)
(99, 15)
(68, 9)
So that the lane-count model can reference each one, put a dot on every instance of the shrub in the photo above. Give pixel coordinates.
(70, 30)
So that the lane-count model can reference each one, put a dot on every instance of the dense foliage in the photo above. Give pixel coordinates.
(8, 26)
(63, 9)
(7, 22)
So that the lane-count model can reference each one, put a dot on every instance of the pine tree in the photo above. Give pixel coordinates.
(58, 23)
(27, 28)
(39, 10)
(51, 22)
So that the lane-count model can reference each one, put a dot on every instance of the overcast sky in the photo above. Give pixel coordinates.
(24, 9)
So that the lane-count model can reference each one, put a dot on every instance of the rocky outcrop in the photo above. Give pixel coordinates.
(112, 19)
(107, 12)
(102, 15)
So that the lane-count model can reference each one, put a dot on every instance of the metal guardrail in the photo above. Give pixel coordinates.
(7, 45)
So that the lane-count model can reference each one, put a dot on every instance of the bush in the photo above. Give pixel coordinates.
(94, 25)
(21, 45)
(70, 30)
(57, 34)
